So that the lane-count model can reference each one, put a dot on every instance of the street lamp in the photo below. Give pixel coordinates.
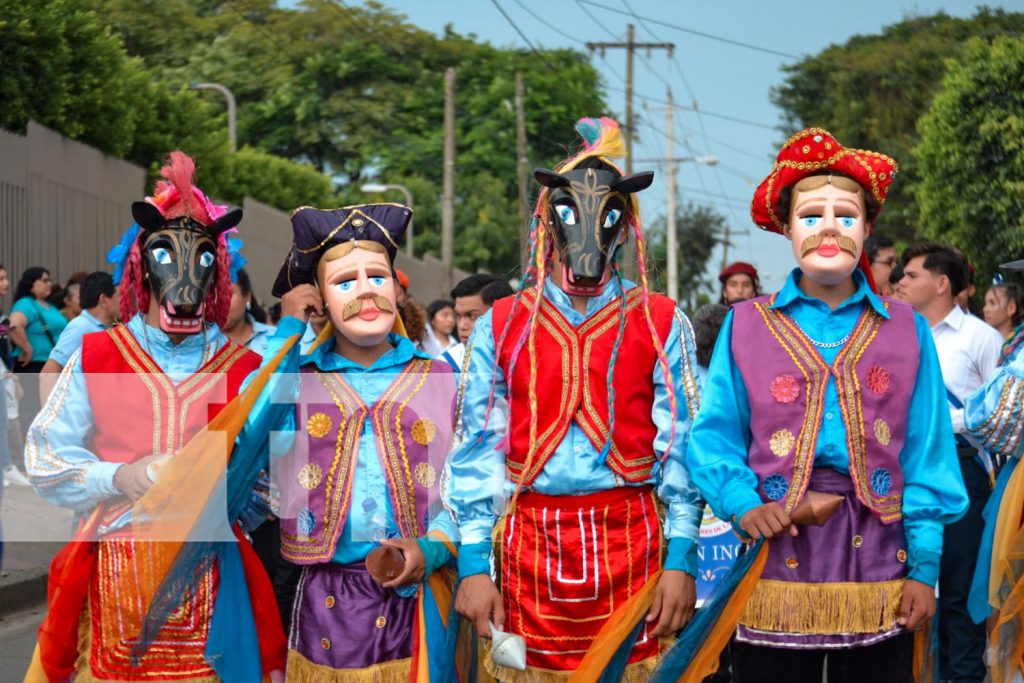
(378, 188)
(232, 130)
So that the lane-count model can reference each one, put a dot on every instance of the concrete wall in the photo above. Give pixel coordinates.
(63, 205)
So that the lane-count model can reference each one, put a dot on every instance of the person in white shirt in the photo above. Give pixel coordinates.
(968, 349)
(100, 302)
(440, 328)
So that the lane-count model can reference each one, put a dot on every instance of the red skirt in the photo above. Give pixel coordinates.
(570, 562)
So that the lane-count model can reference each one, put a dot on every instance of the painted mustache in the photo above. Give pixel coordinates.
(352, 308)
(814, 241)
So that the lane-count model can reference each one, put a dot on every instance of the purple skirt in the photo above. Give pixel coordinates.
(833, 586)
(343, 619)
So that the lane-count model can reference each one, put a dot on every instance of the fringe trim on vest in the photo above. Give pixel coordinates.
(823, 608)
(301, 670)
(638, 672)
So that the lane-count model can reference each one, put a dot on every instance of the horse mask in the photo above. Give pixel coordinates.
(587, 206)
(180, 260)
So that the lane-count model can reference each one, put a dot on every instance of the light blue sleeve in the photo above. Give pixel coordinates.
(933, 488)
(70, 340)
(684, 507)
(61, 468)
(720, 440)
(475, 469)
(995, 412)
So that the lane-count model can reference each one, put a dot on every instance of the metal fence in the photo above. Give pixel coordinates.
(63, 204)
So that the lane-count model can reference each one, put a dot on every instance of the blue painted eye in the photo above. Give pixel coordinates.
(612, 218)
(377, 280)
(206, 259)
(847, 221)
(162, 256)
(810, 221)
(347, 285)
(566, 214)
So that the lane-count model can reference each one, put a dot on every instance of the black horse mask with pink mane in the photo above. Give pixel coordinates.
(178, 254)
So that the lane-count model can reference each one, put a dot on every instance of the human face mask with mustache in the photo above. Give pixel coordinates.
(359, 291)
(827, 228)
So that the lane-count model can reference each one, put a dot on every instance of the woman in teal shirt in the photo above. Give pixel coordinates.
(35, 328)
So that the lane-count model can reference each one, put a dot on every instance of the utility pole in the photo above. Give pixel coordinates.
(630, 46)
(448, 205)
(523, 172)
(671, 161)
(670, 224)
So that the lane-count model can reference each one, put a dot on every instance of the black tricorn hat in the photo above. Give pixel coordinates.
(317, 230)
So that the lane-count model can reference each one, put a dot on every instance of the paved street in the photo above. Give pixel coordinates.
(17, 640)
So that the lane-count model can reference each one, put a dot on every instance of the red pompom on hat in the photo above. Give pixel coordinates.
(403, 279)
(810, 152)
(738, 268)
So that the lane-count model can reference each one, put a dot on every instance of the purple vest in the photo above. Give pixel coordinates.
(412, 424)
(786, 377)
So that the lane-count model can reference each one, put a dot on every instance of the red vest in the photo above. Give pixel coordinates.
(137, 410)
(572, 381)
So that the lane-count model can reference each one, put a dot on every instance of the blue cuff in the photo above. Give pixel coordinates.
(682, 556)
(435, 554)
(289, 326)
(737, 500)
(475, 558)
(924, 567)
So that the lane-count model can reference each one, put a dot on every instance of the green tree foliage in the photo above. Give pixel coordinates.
(275, 181)
(359, 93)
(971, 155)
(699, 230)
(870, 92)
(356, 93)
(65, 69)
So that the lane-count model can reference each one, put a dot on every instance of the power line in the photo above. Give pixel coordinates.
(595, 20)
(513, 25)
(567, 36)
(705, 112)
(522, 35)
(691, 31)
(674, 57)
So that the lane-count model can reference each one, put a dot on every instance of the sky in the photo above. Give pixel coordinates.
(723, 79)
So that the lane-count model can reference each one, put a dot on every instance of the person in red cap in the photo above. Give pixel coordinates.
(739, 283)
(827, 388)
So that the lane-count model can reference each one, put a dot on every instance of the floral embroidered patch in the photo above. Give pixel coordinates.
(881, 481)
(310, 476)
(423, 431)
(425, 474)
(882, 432)
(784, 389)
(878, 379)
(318, 425)
(775, 486)
(782, 442)
(305, 521)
